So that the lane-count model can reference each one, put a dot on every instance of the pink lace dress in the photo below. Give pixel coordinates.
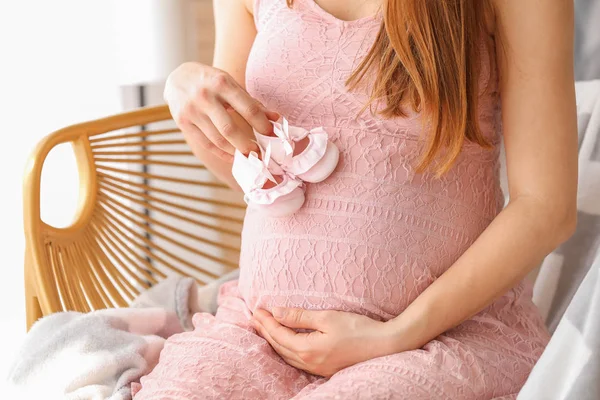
(368, 240)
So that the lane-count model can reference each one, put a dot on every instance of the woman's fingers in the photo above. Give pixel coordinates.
(193, 134)
(225, 114)
(248, 107)
(300, 318)
(200, 115)
(289, 356)
(238, 133)
(286, 337)
(219, 125)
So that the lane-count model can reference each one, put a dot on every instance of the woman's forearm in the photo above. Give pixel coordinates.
(513, 244)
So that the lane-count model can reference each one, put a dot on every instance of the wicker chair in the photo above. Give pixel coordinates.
(147, 209)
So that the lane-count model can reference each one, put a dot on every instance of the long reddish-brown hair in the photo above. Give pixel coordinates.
(427, 56)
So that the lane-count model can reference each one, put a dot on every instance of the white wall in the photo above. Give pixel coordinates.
(55, 69)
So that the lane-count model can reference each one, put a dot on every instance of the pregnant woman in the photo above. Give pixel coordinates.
(400, 277)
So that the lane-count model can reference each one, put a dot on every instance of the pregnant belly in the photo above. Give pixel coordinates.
(317, 260)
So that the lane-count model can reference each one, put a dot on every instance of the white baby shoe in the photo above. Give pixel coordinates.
(312, 164)
(266, 186)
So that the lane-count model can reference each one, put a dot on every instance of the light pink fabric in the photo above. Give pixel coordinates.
(369, 240)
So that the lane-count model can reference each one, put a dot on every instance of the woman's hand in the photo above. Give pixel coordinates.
(338, 340)
(207, 103)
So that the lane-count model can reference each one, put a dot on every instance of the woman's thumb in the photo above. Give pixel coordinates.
(295, 317)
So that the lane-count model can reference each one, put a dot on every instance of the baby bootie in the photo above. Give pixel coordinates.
(277, 195)
(309, 155)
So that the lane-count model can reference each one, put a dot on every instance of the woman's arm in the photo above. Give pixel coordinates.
(535, 59)
(198, 95)
(234, 36)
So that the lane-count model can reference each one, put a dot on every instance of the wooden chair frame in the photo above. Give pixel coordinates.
(81, 267)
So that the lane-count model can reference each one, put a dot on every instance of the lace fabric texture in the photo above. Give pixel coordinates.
(369, 240)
